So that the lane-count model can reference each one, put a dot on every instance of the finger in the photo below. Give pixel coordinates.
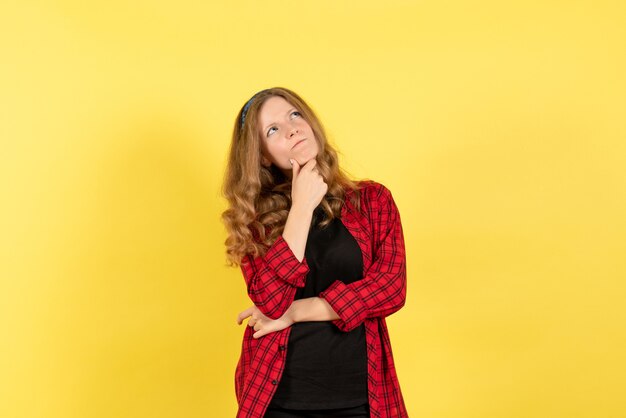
(295, 168)
(243, 315)
(261, 332)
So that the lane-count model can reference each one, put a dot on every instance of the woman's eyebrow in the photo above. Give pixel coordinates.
(265, 129)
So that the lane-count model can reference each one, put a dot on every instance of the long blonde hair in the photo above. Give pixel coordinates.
(259, 197)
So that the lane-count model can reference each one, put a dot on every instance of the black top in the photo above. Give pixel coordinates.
(325, 367)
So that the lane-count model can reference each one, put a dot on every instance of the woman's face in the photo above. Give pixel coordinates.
(284, 135)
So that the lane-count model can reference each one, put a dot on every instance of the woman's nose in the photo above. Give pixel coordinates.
(293, 131)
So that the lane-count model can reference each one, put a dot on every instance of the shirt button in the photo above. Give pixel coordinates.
(274, 382)
(281, 348)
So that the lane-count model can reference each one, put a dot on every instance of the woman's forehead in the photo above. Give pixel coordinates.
(274, 104)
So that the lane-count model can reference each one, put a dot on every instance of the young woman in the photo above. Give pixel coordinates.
(324, 263)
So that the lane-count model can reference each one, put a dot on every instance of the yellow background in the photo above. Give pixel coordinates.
(498, 127)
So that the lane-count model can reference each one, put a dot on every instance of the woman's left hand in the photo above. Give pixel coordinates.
(262, 324)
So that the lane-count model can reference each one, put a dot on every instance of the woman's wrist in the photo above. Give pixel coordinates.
(292, 312)
(311, 309)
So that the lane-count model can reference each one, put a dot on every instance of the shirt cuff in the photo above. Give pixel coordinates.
(347, 303)
(282, 260)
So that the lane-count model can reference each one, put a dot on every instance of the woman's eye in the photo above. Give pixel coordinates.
(269, 131)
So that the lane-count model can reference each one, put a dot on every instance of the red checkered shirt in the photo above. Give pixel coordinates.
(272, 281)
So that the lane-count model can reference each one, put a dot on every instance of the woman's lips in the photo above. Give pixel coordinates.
(299, 142)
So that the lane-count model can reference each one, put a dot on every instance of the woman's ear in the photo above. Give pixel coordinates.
(265, 162)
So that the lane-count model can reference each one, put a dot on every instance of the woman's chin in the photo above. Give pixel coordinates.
(303, 159)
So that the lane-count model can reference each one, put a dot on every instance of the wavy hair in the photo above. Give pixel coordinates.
(259, 197)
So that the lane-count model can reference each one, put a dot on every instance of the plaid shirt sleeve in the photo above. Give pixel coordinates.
(272, 279)
(382, 291)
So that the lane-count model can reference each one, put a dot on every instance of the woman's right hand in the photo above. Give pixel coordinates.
(307, 185)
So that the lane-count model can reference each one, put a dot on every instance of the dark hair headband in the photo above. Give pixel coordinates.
(244, 112)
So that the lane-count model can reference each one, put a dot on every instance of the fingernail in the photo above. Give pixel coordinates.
(290, 161)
